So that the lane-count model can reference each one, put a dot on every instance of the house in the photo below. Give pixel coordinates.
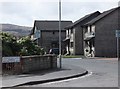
(46, 33)
(74, 34)
(99, 34)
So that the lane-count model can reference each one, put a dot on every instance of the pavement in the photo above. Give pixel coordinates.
(45, 76)
(103, 72)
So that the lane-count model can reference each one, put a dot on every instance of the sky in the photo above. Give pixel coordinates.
(24, 12)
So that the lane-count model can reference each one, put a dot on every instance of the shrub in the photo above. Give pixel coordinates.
(24, 46)
(9, 45)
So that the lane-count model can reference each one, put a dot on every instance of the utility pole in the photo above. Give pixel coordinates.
(118, 36)
(60, 59)
(118, 47)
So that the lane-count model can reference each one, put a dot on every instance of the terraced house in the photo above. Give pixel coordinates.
(74, 34)
(46, 33)
(99, 34)
(94, 34)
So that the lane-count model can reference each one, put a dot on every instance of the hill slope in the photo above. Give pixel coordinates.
(16, 30)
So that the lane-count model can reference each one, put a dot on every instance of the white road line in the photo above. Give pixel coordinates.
(90, 73)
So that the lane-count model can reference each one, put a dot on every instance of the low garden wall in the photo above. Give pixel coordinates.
(34, 63)
(30, 63)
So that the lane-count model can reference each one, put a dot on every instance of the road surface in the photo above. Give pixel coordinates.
(102, 73)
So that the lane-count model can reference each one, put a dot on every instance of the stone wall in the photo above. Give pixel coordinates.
(36, 63)
(29, 64)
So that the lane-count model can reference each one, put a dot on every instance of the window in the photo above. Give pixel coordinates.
(71, 30)
(53, 33)
(71, 44)
(37, 33)
(88, 29)
(93, 28)
(67, 33)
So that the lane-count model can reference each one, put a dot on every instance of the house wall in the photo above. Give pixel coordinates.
(105, 40)
(47, 37)
(78, 42)
(119, 29)
(84, 45)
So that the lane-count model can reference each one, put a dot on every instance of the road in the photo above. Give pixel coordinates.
(102, 73)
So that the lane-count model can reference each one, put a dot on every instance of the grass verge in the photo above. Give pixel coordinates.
(73, 56)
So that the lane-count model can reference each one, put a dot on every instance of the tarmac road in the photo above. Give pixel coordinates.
(104, 73)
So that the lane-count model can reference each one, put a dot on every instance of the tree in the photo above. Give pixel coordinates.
(24, 46)
(9, 45)
(28, 47)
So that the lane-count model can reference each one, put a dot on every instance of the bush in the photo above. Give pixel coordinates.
(28, 47)
(24, 46)
(9, 45)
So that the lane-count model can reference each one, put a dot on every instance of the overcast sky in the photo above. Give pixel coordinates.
(24, 12)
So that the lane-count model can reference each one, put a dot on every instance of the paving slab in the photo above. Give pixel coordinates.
(42, 77)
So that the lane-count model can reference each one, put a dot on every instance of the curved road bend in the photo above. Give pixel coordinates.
(104, 73)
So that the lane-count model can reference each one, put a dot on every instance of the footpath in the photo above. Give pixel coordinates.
(42, 76)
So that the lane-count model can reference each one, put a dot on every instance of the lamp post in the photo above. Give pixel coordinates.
(118, 36)
(118, 47)
(60, 61)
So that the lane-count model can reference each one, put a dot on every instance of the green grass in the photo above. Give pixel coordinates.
(73, 56)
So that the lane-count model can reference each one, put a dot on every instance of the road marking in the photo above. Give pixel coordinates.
(90, 73)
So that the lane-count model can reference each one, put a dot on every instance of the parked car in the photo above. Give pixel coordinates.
(54, 51)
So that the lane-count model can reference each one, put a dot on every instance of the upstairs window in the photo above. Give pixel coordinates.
(53, 33)
(71, 30)
(71, 44)
(93, 28)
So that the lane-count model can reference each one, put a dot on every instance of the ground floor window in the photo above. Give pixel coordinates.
(71, 44)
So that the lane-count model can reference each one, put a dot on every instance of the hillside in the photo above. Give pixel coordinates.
(16, 30)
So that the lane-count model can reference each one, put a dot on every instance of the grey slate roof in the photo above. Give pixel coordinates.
(50, 25)
(82, 19)
(102, 15)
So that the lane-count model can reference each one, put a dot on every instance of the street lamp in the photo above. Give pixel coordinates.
(60, 61)
(118, 36)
